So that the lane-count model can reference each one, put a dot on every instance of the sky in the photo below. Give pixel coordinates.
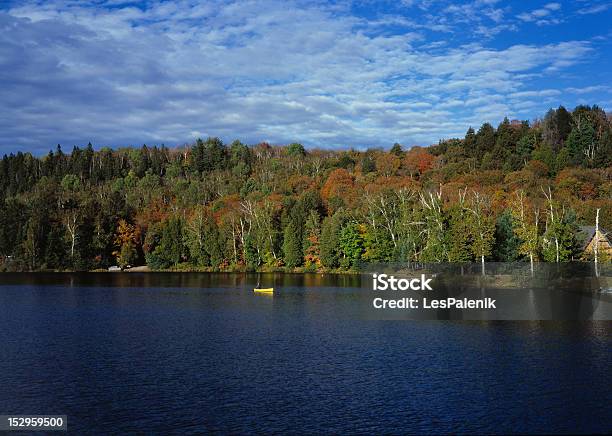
(327, 74)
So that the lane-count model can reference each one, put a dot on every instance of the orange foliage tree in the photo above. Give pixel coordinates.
(387, 164)
(127, 241)
(338, 189)
(417, 161)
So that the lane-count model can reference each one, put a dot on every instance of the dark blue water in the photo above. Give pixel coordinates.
(201, 353)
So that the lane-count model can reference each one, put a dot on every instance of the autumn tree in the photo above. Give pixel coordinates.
(387, 164)
(337, 190)
(311, 245)
(417, 161)
(126, 240)
(263, 207)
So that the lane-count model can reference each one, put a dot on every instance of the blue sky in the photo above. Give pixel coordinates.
(327, 74)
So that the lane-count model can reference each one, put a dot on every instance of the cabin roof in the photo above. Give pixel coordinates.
(585, 235)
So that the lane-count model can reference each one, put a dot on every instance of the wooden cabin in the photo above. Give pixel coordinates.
(586, 236)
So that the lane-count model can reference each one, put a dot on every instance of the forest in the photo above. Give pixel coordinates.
(515, 192)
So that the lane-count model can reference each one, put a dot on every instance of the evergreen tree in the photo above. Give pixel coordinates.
(208, 155)
(581, 142)
(485, 140)
(368, 164)
(556, 127)
(459, 239)
(506, 246)
(397, 150)
(170, 249)
(524, 147)
(469, 143)
(240, 159)
(252, 259)
(292, 246)
(198, 157)
(559, 240)
(296, 150)
(12, 227)
(253, 207)
(603, 155)
(330, 239)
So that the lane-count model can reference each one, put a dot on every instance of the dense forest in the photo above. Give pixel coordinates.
(512, 193)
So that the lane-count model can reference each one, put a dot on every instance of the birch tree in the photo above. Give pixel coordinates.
(526, 226)
(559, 242)
(435, 249)
(386, 214)
(70, 210)
(459, 235)
(596, 242)
(482, 227)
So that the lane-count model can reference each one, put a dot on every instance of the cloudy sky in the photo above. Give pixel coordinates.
(327, 74)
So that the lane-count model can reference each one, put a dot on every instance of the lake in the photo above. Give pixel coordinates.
(192, 353)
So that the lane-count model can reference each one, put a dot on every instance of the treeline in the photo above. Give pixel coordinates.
(512, 193)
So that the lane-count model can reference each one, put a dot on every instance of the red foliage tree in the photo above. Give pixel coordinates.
(418, 160)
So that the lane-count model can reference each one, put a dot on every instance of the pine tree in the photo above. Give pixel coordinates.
(397, 150)
(330, 239)
(485, 140)
(506, 247)
(292, 247)
(581, 143)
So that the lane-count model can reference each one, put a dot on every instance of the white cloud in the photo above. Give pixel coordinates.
(538, 15)
(589, 89)
(595, 8)
(552, 6)
(74, 73)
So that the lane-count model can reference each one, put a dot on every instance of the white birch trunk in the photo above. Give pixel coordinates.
(596, 241)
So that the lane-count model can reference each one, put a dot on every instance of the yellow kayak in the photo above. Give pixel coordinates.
(264, 290)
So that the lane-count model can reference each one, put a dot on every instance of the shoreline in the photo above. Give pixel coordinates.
(149, 270)
(470, 269)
